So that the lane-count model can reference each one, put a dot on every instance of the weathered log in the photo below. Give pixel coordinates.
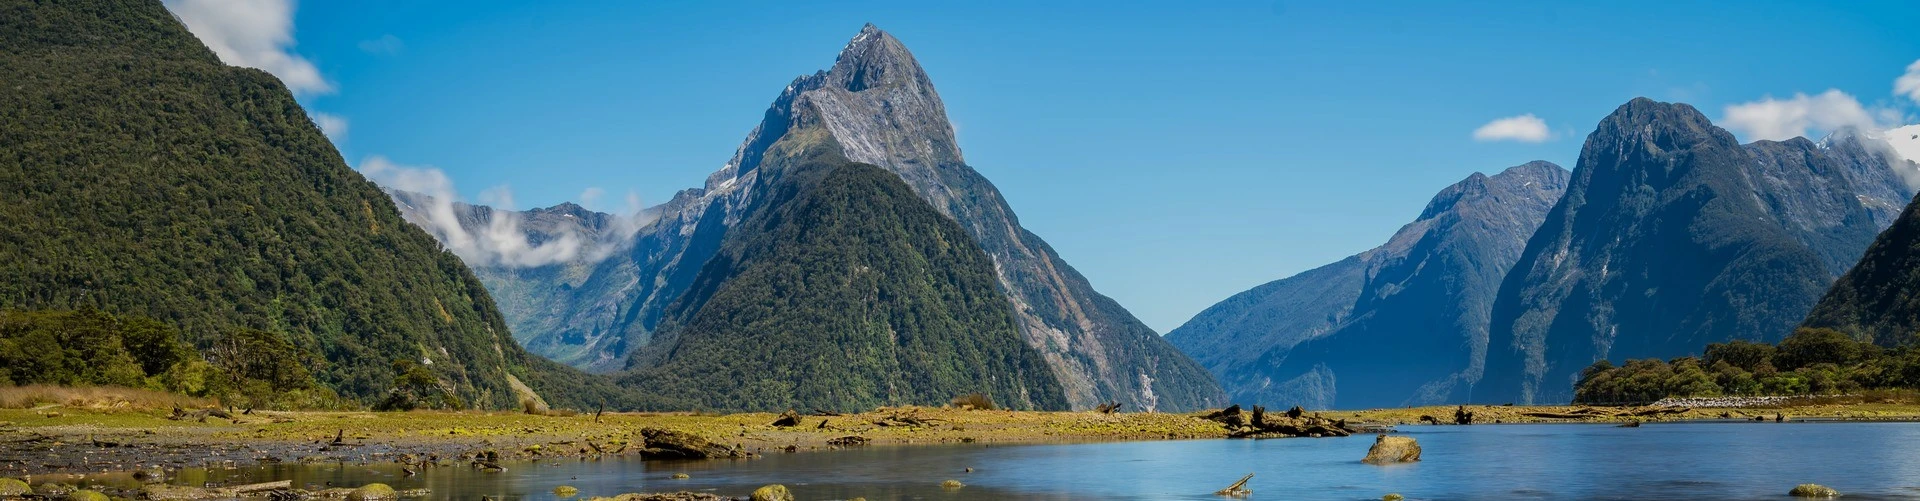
(1238, 489)
(787, 419)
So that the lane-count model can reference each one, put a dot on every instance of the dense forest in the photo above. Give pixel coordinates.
(146, 180)
(845, 291)
(1811, 361)
(92, 348)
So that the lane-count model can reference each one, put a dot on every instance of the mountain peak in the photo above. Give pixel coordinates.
(873, 59)
(1643, 111)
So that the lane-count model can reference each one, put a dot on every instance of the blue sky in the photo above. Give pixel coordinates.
(1174, 154)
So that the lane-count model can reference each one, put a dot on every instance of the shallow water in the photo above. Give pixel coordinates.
(1655, 461)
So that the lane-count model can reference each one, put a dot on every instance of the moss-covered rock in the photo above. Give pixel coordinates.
(53, 489)
(952, 484)
(1813, 491)
(86, 495)
(566, 491)
(14, 487)
(1392, 497)
(373, 492)
(775, 492)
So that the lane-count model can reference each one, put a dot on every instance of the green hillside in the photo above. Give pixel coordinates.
(143, 177)
(844, 291)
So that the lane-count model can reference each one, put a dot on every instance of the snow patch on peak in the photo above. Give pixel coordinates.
(1905, 141)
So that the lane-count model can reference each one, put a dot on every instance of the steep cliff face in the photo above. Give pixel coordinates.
(1401, 324)
(879, 107)
(1671, 236)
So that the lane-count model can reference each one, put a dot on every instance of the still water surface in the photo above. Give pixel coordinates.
(1656, 461)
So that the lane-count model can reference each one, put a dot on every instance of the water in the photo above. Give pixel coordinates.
(1655, 461)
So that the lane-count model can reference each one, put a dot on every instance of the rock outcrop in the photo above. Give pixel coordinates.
(1390, 449)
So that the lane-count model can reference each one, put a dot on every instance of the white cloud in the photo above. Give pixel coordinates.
(1524, 128)
(334, 126)
(1909, 84)
(386, 45)
(1801, 115)
(252, 33)
(498, 241)
(590, 196)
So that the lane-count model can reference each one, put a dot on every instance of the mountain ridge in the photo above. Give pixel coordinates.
(1314, 337)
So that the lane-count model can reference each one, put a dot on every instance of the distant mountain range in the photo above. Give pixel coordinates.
(877, 107)
(1401, 324)
(1669, 236)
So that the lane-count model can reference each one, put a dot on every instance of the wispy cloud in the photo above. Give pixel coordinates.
(334, 126)
(252, 33)
(500, 240)
(1524, 128)
(1801, 115)
(1909, 84)
(591, 196)
(386, 45)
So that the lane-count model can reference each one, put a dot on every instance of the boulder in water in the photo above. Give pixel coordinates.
(1390, 449)
(373, 492)
(1813, 491)
(775, 492)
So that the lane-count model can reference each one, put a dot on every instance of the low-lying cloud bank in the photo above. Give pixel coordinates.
(498, 238)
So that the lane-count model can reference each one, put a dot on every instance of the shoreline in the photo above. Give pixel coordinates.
(60, 440)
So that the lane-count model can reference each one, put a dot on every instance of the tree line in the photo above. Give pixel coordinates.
(1811, 361)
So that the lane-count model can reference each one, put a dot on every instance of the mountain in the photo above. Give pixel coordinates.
(1672, 235)
(1876, 300)
(845, 291)
(879, 108)
(1401, 324)
(571, 238)
(146, 179)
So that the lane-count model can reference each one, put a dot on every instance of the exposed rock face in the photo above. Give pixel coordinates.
(1672, 235)
(1402, 324)
(880, 107)
(1388, 449)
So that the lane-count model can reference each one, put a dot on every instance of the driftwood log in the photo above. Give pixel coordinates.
(1291, 424)
(1238, 489)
